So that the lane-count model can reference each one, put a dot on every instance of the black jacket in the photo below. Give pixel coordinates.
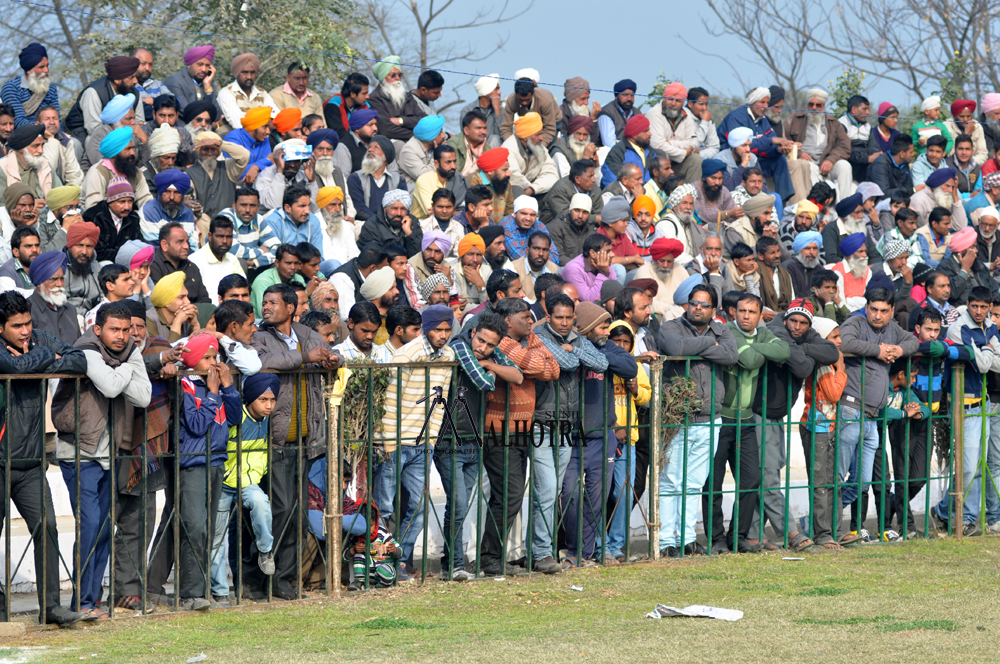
(801, 277)
(24, 428)
(806, 353)
(350, 268)
(890, 178)
(378, 231)
(160, 267)
(73, 123)
(111, 240)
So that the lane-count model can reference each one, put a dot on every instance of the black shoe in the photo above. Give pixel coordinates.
(672, 552)
(546, 565)
(288, 594)
(720, 548)
(194, 604)
(938, 522)
(491, 569)
(744, 546)
(60, 615)
(695, 549)
(971, 530)
(220, 602)
(254, 594)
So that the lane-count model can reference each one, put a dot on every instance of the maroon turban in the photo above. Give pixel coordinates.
(578, 122)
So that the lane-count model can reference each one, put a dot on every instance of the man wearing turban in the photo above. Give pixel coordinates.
(392, 223)
(931, 125)
(674, 132)
(253, 135)
(389, 97)
(712, 200)
(616, 113)
(295, 92)
(825, 144)
(962, 121)
(494, 173)
(528, 97)
(242, 94)
(575, 144)
(214, 181)
(196, 81)
(471, 271)
(50, 308)
(805, 261)
(416, 155)
(770, 150)
(351, 151)
(339, 238)
(576, 104)
(668, 275)
(854, 272)
(172, 315)
(488, 101)
(120, 79)
(531, 166)
(61, 201)
(632, 149)
(82, 287)
(373, 180)
(119, 158)
(168, 207)
(26, 162)
(29, 91)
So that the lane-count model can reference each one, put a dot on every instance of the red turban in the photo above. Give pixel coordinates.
(493, 159)
(663, 246)
(196, 347)
(636, 125)
(960, 105)
(578, 122)
(81, 230)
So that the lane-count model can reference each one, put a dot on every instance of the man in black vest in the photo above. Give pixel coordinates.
(85, 116)
(349, 276)
(347, 156)
(611, 122)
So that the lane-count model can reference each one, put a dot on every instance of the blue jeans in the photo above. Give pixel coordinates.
(621, 492)
(619, 273)
(851, 437)
(93, 505)
(459, 471)
(591, 466)
(993, 465)
(777, 169)
(412, 476)
(547, 476)
(972, 442)
(352, 524)
(255, 500)
(688, 471)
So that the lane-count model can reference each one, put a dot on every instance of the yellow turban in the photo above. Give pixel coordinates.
(60, 197)
(468, 242)
(256, 117)
(806, 206)
(207, 138)
(644, 203)
(528, 125)
(327, 195)
(167, 289)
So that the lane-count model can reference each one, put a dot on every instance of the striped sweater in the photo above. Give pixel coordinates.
(536, 362)
(413, 384)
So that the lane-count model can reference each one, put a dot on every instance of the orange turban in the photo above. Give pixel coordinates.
(468, 242)
(256, 117)
(327, 195)
(644, 203)
(528, 125)
(286, 119)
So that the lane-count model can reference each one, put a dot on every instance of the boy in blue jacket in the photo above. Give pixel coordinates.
(211, 405)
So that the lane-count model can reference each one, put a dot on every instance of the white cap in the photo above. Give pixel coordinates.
(581, 202)
(487, 84)
(528, 73)
(525, 203)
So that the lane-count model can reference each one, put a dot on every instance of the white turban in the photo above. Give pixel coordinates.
(164, 140)
(528, 73)
(985, 212)
(756, 95)
(679, 193)
(487, 84)
(934, 101)
(378, 283)
(817, 93)
(523, 202)
(396, 196)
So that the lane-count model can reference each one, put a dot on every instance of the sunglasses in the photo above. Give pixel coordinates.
(699, 303)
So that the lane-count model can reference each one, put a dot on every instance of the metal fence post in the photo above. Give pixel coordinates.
(655, 433)
(958, 438)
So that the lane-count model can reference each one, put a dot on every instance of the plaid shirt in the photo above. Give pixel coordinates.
(250, 238)
(516, 239)
(470, 365)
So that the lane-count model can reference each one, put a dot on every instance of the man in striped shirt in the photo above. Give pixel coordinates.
(255, 241)
(404, 418)
(33, 89)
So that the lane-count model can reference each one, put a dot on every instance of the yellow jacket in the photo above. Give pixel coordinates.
(625, 412)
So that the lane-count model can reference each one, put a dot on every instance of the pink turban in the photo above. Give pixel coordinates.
(196, 347)
(675, 90)
(991, 102)
(962, 240)
(196, 53)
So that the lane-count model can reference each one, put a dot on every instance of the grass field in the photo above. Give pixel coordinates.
(933, 601)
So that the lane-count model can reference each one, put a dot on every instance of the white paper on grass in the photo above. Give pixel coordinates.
(696, 611)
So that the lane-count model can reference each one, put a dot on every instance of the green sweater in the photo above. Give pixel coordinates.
(754, 350)
(923, 124)
(262, 282)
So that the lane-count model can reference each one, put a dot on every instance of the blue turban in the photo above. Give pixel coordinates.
(805, 238)
(623, 85)
(940, 176)
(361, 117)
(117, 108)
(323, 135)
(329, 265)
(115, 142)
(31, 55)
(683, 292)
(848, 246)
(46, 265)
(433, 316)
(257, 384)
(428, 128)
(710, 167)
(848, 205)
(172, 178)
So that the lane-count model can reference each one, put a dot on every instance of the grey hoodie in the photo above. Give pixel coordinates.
(716, 347)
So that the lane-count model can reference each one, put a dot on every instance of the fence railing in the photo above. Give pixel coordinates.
(569, 487)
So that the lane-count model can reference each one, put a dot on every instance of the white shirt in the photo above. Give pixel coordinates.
(234, 103)
(213, 270)
(342, 247)
(379, 354)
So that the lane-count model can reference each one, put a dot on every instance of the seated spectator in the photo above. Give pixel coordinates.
(24, 246)
(118, 113)
(964, 267)
(214, 260)
(415, 155)
(63, 203)
(172, 256)
(929, 160)
(294, 221)
(674, 131)
(50, 309)
(967, 167)
(775, 281)
(570, 229)
(443, 176)
(116, 218)
(338, 232)
(750, 226)
(349, 277)
(633, 149)
(392, 224)
(234, 287)
(25, 162)
(940, 192)
(475, 139)
(214, 181)
(592, 268)
(254, 241)
(528, 97)
(797, 220)
(470, 271)
(284, 271)
(851, 220)
(614, 224)
(534, 263)
(712, 200)
(372, 181)
(891, 170)
(162, 146)
(804, 262)
(120, 159)
(168, 207)
(934, 238)
(252, 134)
(137, 256)
(825, 143)
(494, 167)
(531, 166)
(520, 225)
(744, 275)
(856, 276)
(576, 143)
(640, 227)
(930, 126)
(679, 221)
(59, 148)
(770, 150)
(171, 314)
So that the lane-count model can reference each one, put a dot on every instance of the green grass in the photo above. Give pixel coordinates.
(926, 601)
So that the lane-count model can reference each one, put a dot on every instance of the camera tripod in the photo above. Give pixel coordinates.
(439, 399)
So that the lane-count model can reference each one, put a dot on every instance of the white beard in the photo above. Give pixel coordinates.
(943, 199)
(538, 150)
(324, 166)
(30, 160)
(808, 263)
(56, 297)
(664, 275)
(371, 165)
(396, 92)
(684, 217)
(854, 225)
(772, 116)
(816, 119)
(579, 109)
(857, 265)
(334, 223)
(39, 84)
(672, 113)
(577, 146)
(209, 164)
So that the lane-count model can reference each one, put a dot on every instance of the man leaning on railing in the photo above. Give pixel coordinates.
(28, 351)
